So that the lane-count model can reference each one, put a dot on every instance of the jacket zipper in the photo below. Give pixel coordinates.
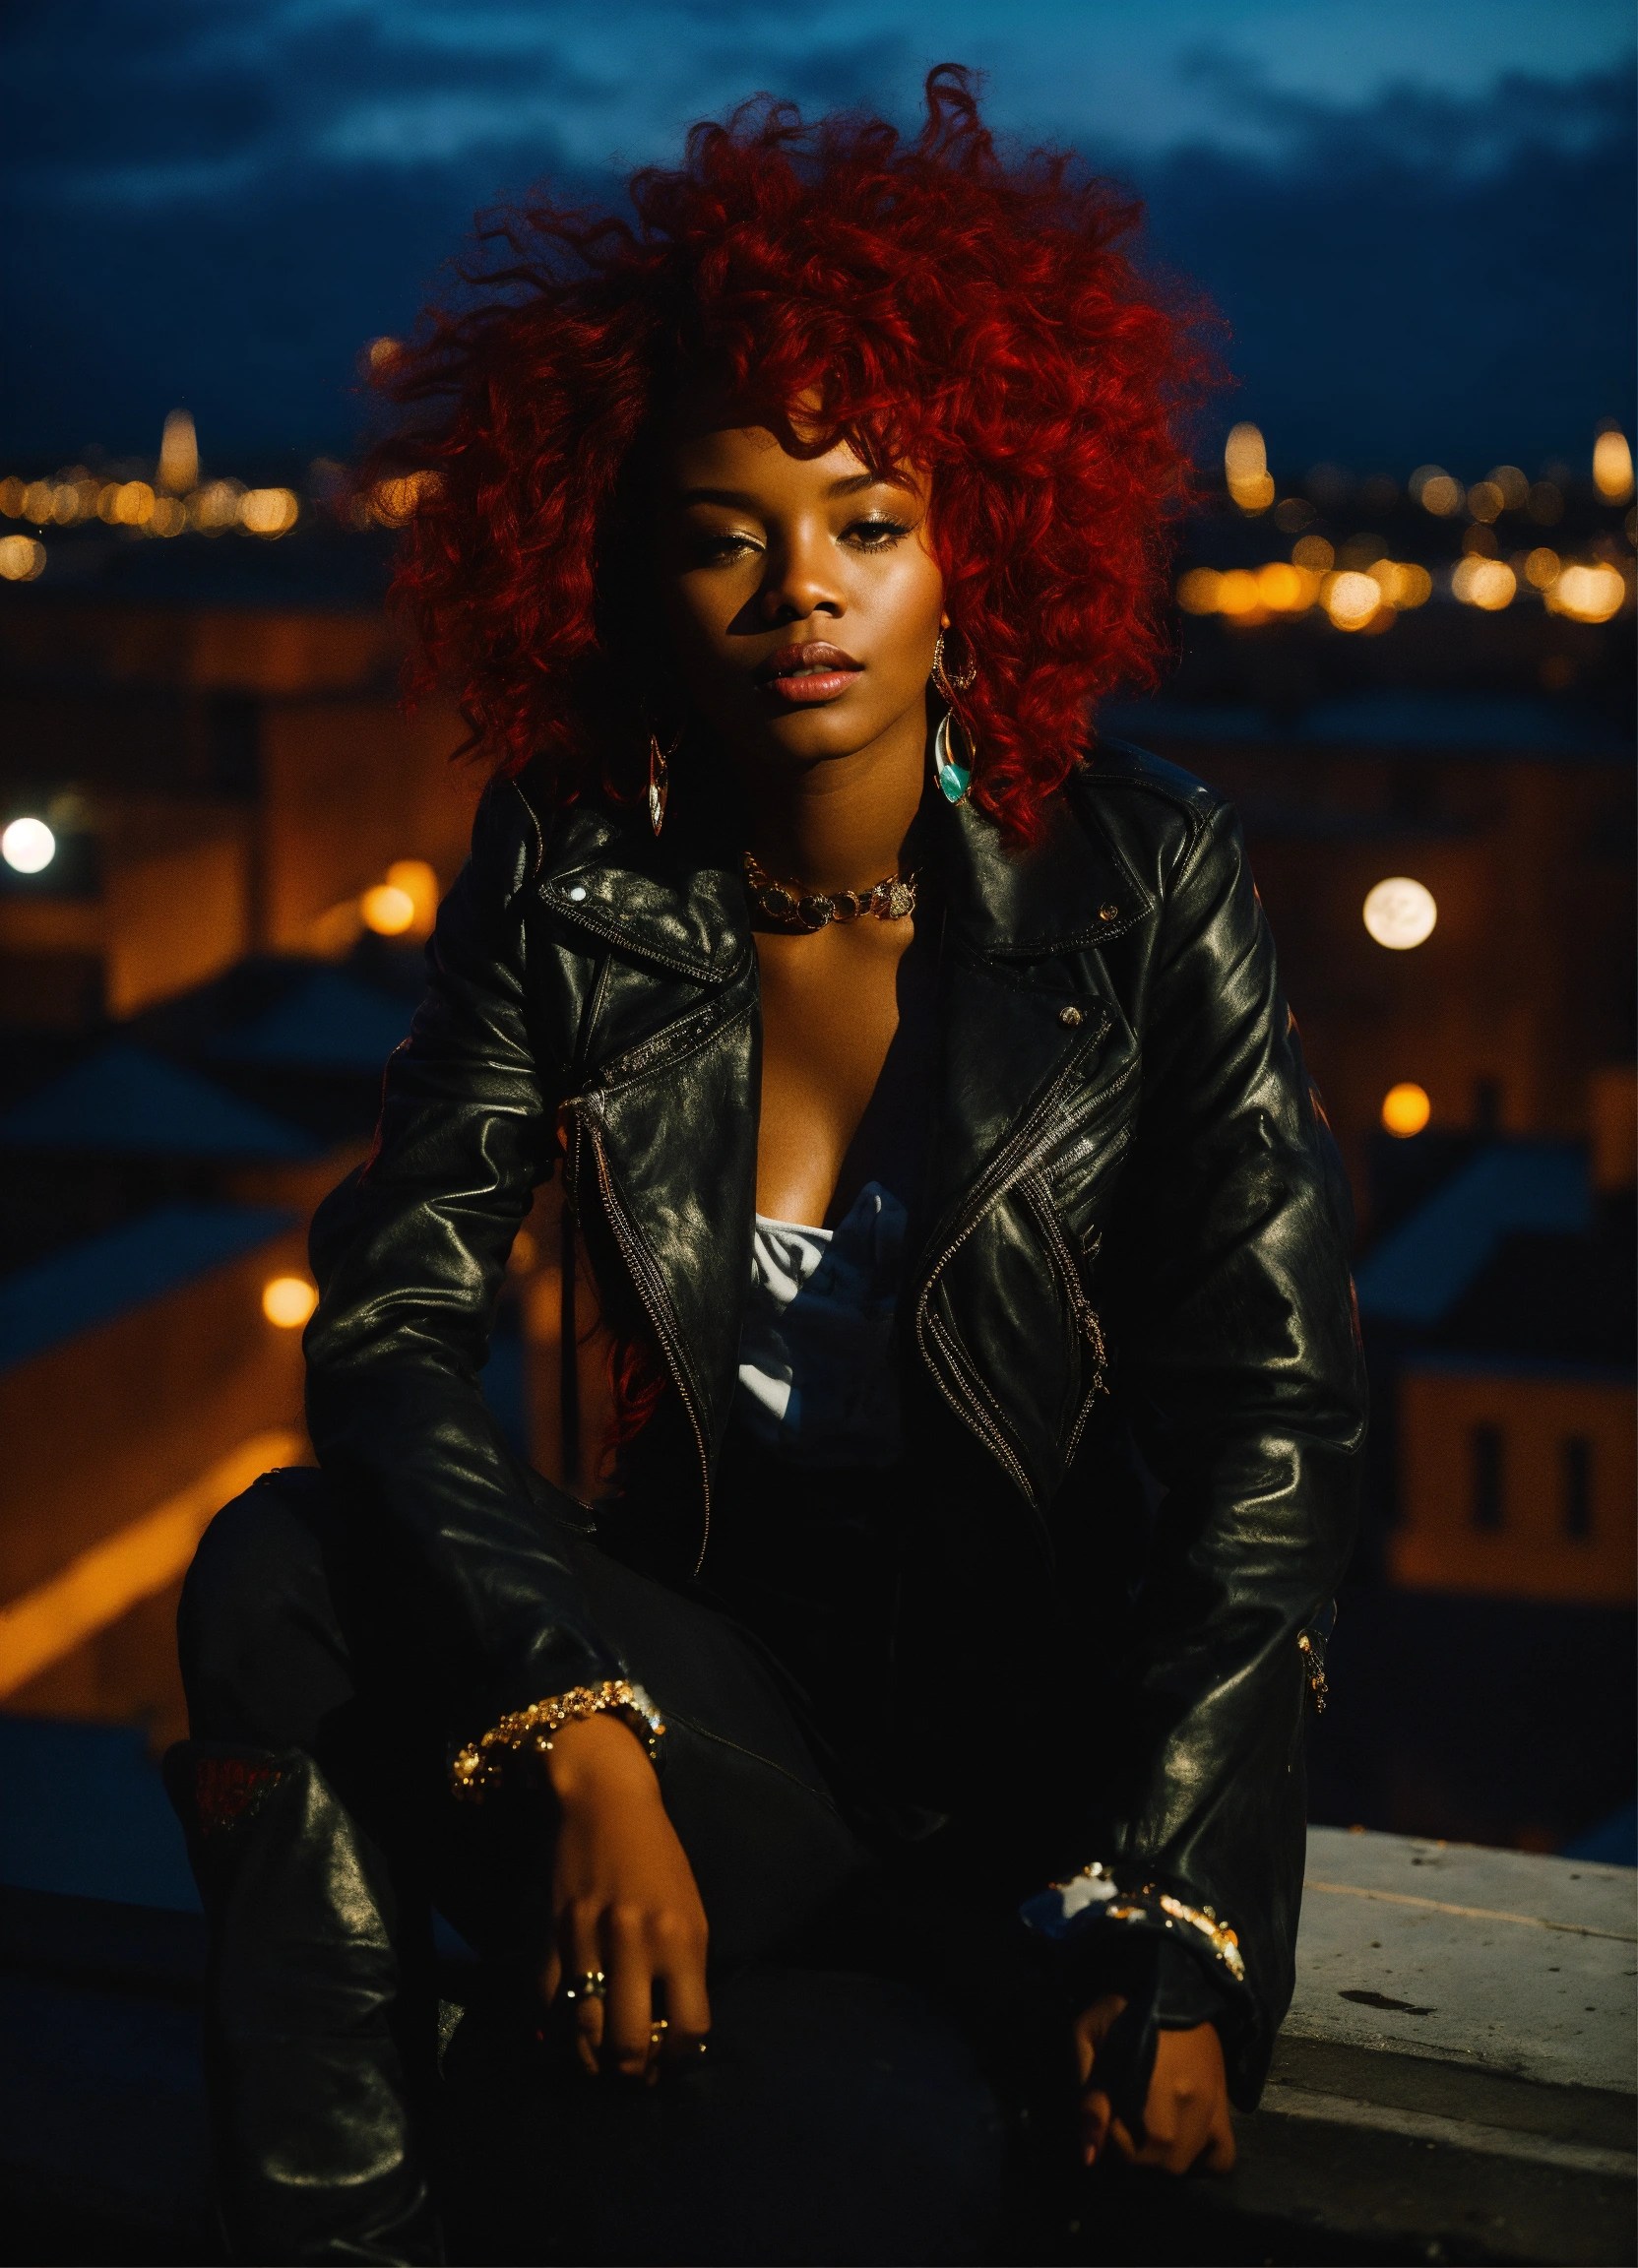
(1088, 1320)
(651, 1293)
(1009, 1167)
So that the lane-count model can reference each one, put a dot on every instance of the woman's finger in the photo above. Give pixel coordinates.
(1221, 2147)
(1095, 2113)
(629, 2010)
(687, 2005)
(580, 1943)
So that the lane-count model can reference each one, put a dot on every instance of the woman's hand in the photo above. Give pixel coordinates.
(624, 1900)
(1186, 2115)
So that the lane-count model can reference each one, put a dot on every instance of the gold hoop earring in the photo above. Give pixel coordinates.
(660, 776)
(963, 682)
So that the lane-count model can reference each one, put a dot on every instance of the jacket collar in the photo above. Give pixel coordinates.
(678, 899)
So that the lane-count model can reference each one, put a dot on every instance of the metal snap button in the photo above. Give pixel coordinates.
(578, 891)
(1108, 913)
(1070, 1016)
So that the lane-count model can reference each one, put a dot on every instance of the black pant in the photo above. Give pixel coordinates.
(869, 2011)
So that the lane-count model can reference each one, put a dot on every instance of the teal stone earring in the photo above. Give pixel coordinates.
(954, 780)
(954, 776)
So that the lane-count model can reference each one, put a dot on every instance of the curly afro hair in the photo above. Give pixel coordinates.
(925, 301)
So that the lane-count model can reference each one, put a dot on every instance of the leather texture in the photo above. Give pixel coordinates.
(310, 2129)
(1133, 1393)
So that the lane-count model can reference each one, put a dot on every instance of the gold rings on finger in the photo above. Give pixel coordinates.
(593, 1986)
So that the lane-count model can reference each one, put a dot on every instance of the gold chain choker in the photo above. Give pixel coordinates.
(801, 908)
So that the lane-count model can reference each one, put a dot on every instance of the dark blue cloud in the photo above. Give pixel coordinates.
(218, 207)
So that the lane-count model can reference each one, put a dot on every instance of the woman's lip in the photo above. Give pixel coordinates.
(813, 685)
(807, 674)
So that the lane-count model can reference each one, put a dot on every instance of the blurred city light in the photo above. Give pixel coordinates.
(1314, 553)
(419, 884)
(1352, 599)
(1435, 491)
(1515, 488)
(289, 1300)
(393, 503)
(1612, 466)
(1400, 913)
(1406, 1108)
(381, 352)
(1487, 583)
(1245, 464)
(386, 910)
(1541, 567)
(28, 846)
(1545, 503)
(268, 511)
(178, 454)
(1586, 593)
(21, 558)
(1485, 500)
(1402, 584)
(215, 509)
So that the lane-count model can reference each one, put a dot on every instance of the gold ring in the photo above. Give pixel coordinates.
(593, 1986)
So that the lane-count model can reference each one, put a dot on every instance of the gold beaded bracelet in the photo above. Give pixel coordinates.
(528, 1733)
(1095, 1887)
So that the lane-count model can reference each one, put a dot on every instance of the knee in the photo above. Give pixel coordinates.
(255, 1599)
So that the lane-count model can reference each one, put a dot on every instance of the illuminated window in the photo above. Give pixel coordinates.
(1484, 1478)
(1576, 1479)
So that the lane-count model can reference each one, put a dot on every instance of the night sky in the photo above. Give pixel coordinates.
(1417, 215)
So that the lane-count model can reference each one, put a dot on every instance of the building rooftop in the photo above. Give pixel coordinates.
(89, 1283)
(1425, 1264)
(125, 1101)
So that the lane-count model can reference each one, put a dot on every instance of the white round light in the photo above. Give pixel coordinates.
(28, 846)
(1400, 914)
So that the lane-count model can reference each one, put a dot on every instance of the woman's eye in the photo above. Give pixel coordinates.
(876, 535)
(713, 549)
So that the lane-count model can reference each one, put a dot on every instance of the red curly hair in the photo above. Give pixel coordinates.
(941, 308)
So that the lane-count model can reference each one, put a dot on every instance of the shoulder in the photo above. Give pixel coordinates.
(1162, 819)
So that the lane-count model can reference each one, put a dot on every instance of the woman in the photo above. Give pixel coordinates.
(990, 1410)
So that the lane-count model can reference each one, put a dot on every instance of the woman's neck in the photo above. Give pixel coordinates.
(838, 824)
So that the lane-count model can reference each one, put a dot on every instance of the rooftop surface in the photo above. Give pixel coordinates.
(1455, 2081)
(91, 1282)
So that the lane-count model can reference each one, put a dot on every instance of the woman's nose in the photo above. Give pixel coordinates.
(800, 582)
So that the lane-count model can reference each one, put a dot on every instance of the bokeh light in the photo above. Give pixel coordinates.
(1435, 491)
(1314, 553)
(1485, 500)
(268, 511)
(386, 910)
(1515, 488)
(419, 884)
(382, 352)
(1245, 465)
(21, 558)
(1401, 913)
(1546, 504)
(1406, 1108)
(1541, 567)
(178, 468)
(1487, 583)
(28, 846)
(1586, 593)
(1198, 589)
(1352, 599)
(288, 1301)
(1612, 466)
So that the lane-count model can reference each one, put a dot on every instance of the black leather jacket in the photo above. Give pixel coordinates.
(1134, 1231)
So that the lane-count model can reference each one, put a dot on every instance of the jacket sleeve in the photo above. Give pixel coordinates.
(1242, 1374)
(409, 1254)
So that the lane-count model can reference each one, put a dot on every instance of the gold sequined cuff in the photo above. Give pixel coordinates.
(1093, 1896)
(527, 1735)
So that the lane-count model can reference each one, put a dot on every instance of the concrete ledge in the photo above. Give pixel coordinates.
(1456, 2082)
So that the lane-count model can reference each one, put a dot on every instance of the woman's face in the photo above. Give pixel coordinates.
(800, 595)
